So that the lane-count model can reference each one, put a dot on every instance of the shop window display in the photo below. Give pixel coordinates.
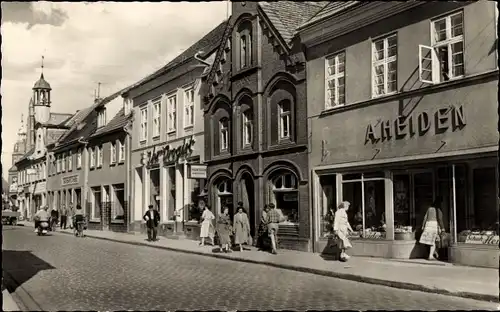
(366, 193)
(481, 226)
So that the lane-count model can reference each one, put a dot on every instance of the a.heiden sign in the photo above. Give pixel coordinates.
(444, 119)
(169, 154)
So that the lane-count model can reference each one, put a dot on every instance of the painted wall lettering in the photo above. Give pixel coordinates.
(169, 154)
(444, 119)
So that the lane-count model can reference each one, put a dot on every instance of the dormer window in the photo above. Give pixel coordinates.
(127, 106)
(101, 118)
(245, 44)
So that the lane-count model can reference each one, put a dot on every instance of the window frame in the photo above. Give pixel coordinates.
(143, 129)
(156, 118)
(112, 154)
(224, 131)
(70, 161)
(121, 155)
(281, 115)
(92, 159)
(99, 156)
(101, 118)
(245, 31)
(247, 124)
(336, 77)
(435, 61)
(63, 162)
(79, 159)
(171, 113)
(385, 63)
(189, 107)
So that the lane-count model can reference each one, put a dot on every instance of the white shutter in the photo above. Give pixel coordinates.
(428, 64)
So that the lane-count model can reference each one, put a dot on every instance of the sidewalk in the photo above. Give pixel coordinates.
(434, 277)
(8, 303)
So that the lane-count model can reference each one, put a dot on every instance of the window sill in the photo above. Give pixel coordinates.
(117, 221)
(383, 95)
(189, 127)
(143, 141)
(121, 162)
(156, 137)
(112, 164)
(411, 93)
(171, 132)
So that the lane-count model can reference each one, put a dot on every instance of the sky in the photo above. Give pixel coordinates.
(85, 43)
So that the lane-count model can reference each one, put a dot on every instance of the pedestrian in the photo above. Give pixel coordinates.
(263, 242)
(70, 216)
(207, 227)
(64, 216)
(432, 226)
(241, 227)
(54, 216)
(341, 229)
(224, 230)
(274, 217)
(152, 218)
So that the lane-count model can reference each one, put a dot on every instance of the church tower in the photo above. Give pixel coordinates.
(41, 99)
(20, 147)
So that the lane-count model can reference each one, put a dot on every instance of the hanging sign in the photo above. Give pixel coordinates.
(151, 157)
(197, 171)
(444, 119)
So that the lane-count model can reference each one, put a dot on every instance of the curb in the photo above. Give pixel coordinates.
(20, 296)
(344, 276)
(8, 303)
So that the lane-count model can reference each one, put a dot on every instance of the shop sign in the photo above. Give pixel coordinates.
(152, 157)
(482, 239)
(40, 187)
(74, 179)
(444, 119)
(198, 171)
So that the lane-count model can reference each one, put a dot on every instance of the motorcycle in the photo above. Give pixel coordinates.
(43, 228)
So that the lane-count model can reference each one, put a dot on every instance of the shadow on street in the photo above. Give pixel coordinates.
(20, 266)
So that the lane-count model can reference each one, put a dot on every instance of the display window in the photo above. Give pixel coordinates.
(366, 194)
(328, 205)
(283, 193)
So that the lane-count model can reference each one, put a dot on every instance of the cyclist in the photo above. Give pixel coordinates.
(79, 219)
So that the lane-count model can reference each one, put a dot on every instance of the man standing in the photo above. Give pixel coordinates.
(274, 217)
(64, 216)
(152, 218)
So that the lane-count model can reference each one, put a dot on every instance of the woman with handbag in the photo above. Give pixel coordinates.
(432, 227)
(224, 230)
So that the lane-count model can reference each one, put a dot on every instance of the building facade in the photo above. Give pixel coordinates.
(255, 118)
(20, 148)
(168, 137)
(402, 108)
(89, 165)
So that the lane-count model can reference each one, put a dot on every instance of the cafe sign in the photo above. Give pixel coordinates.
(74, 179)
(197, 171)
(451, 118)
(482, 239)
(169, 154)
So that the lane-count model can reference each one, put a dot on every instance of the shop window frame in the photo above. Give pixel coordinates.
(273, 190)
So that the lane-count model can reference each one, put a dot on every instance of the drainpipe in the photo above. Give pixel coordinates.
(128, 171)
(85, 173)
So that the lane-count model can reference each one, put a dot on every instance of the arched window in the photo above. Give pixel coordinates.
(247, 127)
(224, 134)
(224, 196)
(285, 113)
(283, 193)
(245, 44)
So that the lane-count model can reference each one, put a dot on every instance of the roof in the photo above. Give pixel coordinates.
(59, 119)
(42, 84)
(330, 9)
(25, 156)
(118, 122)
(207, 44)
(13, 168)
(287, 16)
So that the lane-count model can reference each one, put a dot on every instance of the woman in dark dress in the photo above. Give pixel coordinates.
(224, 230)
(263, 241)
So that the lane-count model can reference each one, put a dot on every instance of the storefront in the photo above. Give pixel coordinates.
(397, 158)
(65, 189)
(164, 177)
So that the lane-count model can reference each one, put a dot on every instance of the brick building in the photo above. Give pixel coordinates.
(255, 117)
(402, 103)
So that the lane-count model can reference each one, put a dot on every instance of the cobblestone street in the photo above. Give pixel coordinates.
(61, 272)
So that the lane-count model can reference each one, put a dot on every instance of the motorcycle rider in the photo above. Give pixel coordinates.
(42, 216)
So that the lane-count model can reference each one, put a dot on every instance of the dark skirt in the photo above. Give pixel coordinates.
(263, 240)
(223, 233)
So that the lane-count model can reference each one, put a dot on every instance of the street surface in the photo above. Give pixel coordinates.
(62, 272)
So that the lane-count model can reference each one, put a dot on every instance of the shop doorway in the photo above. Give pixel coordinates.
(248, 199)
(78, 197)
(154, 175)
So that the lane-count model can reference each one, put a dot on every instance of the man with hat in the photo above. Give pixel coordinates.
(152, 218)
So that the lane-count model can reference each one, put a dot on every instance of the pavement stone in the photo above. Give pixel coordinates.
(461, 281)
(62, 272)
